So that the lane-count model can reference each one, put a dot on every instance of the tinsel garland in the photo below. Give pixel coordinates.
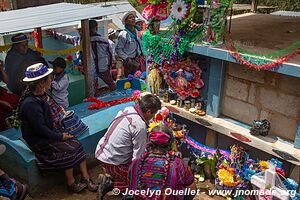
(271, 55)
(98, 104)
(256, 62)
(158, 45)
(197, 146)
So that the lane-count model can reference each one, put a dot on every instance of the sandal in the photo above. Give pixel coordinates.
(77, 187)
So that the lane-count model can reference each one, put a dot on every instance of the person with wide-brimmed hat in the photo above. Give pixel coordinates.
(129, 47)
(41, 128)
(18, 58)
(9, 187)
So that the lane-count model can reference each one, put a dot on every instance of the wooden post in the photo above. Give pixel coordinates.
(87, 59)
(254, 4)
(38, 38)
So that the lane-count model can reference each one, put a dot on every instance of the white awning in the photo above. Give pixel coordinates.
(51, 15)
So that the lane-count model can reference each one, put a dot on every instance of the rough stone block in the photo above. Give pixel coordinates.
(264, 115)
(283, 103)
(289, 84)
(243, 72)
(239, 110)
(272, 79)
(236, 89)
(282, 126)
(252, 94)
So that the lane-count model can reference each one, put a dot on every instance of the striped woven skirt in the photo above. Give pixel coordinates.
(60, 155)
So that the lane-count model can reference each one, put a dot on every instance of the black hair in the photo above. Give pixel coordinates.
(92, 24)
(32, 85)
(149, 102)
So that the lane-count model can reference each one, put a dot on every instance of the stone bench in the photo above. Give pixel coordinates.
(20, 162)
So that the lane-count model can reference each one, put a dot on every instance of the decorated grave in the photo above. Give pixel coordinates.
(230, 170)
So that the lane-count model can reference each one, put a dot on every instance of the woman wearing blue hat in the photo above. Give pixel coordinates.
(41, 118)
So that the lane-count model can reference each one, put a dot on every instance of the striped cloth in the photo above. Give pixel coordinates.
(56, 111)
(119, 173)
(60, 155)
(179, 176)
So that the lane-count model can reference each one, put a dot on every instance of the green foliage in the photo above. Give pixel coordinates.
(136, 4)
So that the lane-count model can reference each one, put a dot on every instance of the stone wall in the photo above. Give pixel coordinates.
(251, 94)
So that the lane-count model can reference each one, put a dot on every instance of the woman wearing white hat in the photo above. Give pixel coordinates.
(128, 47)
(42, 130)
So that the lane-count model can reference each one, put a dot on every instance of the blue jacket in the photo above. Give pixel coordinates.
(37, 123)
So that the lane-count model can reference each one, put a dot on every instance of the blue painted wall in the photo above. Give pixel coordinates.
(215, 87)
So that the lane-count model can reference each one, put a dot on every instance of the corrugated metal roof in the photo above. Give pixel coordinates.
(124, 6)
(49, 15)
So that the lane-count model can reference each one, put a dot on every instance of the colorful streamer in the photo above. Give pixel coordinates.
(98, 104)
(203, 148)
(255, 62)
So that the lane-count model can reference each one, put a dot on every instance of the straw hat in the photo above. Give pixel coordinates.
(21, 37)
(126, 15)
(36, 72)
(138, 20)
(111, 31)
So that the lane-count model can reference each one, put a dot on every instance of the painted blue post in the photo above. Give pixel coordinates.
(215, 87)
(297, 139)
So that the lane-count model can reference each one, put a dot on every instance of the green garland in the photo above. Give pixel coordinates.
(271, 55)
(164, 43)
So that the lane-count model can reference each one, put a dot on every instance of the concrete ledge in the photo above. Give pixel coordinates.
(233, 128)
(19, 161)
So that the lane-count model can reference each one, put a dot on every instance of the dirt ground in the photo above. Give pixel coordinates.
(263, 33)
(59, 192)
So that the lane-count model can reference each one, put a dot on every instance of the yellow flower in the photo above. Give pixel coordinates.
(152, 125)
(264, 165)
(226, 178)
(127, 85)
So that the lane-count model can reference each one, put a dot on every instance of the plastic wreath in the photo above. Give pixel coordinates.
(162, 12)
(154, 1)
(179, 10)
(228, 177)
(184, 77)
(182, 11)
(143, 1)
(149, 11)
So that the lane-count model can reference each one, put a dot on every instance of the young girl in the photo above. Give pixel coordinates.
(159, 168)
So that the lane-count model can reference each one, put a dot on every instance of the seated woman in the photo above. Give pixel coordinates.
(9, 187)
(41, 128)
(160, 168)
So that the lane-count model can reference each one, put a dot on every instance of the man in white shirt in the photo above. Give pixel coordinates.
(124, 141)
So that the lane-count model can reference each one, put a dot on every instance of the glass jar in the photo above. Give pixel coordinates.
(179, 103)
(193, 103)
(166, 97)
(187, 105)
